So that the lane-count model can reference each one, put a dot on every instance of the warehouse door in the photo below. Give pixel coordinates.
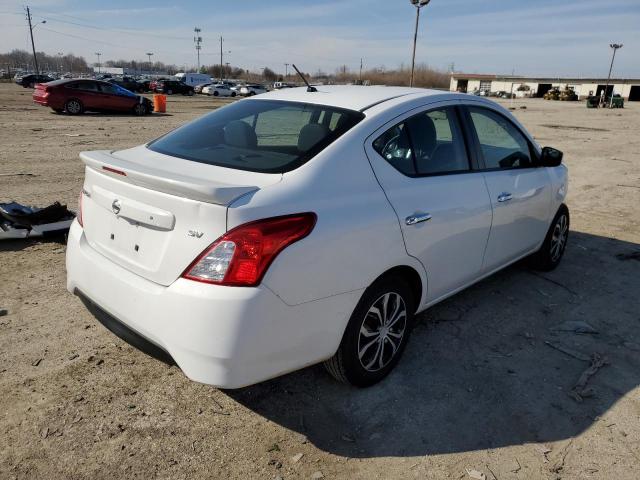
(601, 89)
(634, 94)
(485, 85)
(542, 89)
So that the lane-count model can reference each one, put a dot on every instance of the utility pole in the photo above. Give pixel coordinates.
(418, 4)
(286, 71)
(33, 45)
(615, 47)
(197, 40)
(149, 54)
(360, 77)
(98, 54)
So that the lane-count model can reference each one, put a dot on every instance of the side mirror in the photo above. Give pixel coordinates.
(550, 157)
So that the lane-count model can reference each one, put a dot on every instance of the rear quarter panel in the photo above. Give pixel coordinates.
(356, 238)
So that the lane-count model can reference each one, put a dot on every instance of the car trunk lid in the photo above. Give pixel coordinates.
(154, 214)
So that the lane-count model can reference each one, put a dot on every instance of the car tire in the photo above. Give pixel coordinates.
(140, 109)
(32, 85)
(233, 94)
(215, 93)
(555, 243)
(73, 106)
(252, 93)
(169, 92)
(376, 335)
(190, 93)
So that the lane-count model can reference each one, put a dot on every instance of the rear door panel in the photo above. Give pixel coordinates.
(451, 243)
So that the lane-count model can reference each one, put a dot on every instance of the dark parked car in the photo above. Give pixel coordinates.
(125, 82)
(144, 86)
(76, 96)
(30, 81)
(173, 86)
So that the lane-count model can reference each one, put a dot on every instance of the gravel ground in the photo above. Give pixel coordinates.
(480, 387)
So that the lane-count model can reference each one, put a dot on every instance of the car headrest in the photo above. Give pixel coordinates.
(310, 135)
(240, 134)
(423, 134)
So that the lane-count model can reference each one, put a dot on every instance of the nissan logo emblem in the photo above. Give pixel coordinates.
(115, 206)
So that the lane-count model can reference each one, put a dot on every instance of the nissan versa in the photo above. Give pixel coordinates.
(297, 227)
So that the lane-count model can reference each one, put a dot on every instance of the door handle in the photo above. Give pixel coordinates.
(504, 197)
(414, 219)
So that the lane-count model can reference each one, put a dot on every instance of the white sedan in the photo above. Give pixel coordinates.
(251, 90)
(310, 226)
(218, 90)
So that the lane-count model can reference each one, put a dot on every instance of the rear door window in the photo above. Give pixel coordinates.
(85, 86)
(429, 143)
(258, 135)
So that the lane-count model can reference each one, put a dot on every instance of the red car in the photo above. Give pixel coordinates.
(76, 96)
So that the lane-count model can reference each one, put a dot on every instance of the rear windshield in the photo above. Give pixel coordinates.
(258, 135)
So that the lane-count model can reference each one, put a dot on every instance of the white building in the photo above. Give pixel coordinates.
(537, 86)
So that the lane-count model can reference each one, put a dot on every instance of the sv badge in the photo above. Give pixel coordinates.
(195, 233)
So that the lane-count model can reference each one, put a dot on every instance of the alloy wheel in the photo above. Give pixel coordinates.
(73, 106)
(382, 331)
(559, 238)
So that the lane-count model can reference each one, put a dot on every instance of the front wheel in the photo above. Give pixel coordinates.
(376, 335)
(190, 93)
(233, 94)
(140, 109)
(555, 243)
(215, 94)
(169, 92)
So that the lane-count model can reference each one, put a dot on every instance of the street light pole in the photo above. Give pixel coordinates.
(198, 40)
(286, 71)
(615, 47)
(418, 4)
(149, 54)
(98, 55)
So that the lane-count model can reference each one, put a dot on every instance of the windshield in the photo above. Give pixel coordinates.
(258, 135)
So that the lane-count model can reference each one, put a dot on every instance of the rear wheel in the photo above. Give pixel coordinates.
(555, 243)
(376, 335)
(169, 92)
(74, 106)
(190, 93)
(252, 93)
(215, 93)
(233, 94)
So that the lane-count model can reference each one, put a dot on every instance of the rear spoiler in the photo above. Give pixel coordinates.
(180, 185)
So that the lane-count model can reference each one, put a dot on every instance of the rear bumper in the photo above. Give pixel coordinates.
(224, 336)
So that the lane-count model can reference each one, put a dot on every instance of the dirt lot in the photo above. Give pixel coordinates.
(479, 386)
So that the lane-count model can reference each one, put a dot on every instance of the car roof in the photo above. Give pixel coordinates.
(352, 97)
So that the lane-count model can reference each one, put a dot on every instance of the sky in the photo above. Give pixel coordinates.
(542, 37)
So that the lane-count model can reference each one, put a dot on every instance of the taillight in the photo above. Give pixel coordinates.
(242, 255)
(79, 216)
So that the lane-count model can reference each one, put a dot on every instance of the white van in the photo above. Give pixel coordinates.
(193, 79)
